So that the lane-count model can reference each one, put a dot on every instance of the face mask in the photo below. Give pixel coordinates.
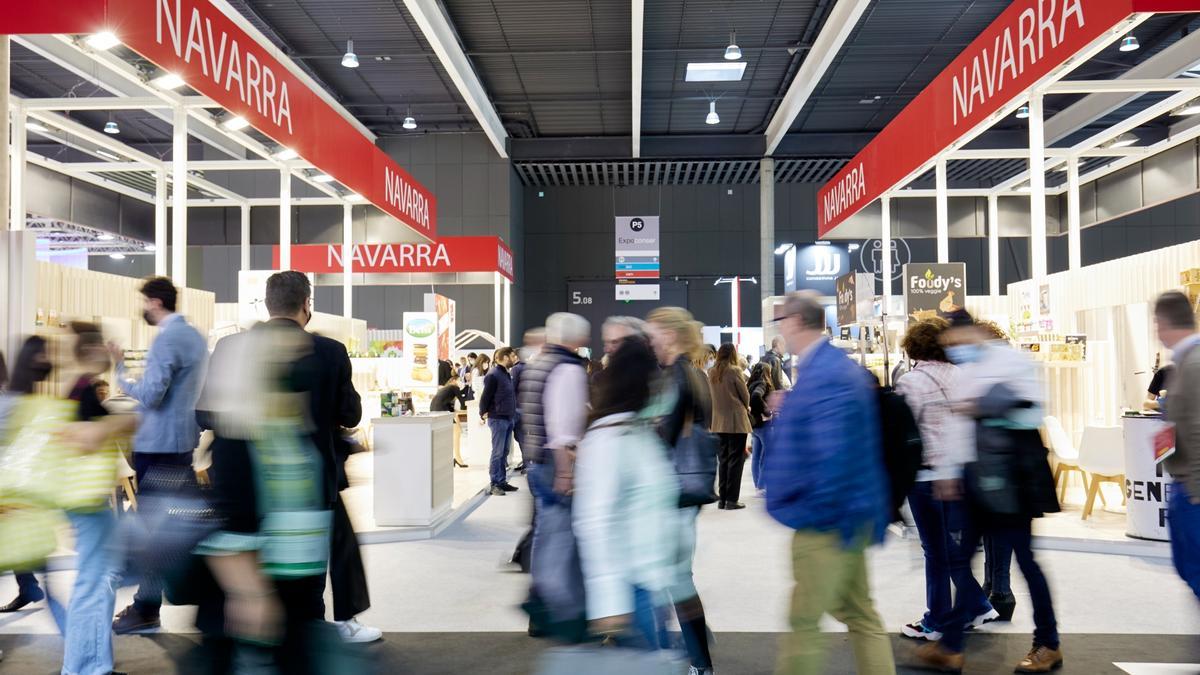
(961, 354)
(709, 364)
(148, 319)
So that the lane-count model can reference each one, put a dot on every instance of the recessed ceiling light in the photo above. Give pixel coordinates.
(1023, 112)
(350, 59)
(104, 153)
(1124, 140)
(409, 123)
(286, 154)
(168, 81)
(117, 256)
(102, 41)
(713, 117)
(323, 178)
(34, 126)
(105, 237)
(715, 72)
(235, 123)
(1129, 44)
(111, 128)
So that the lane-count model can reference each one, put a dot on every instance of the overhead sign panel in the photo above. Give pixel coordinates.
(1027, 43)
(197, 41)
(446, 255)
(637, 267)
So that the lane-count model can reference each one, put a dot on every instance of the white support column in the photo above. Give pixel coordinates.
(179, 198)
(496, 305)
(885, 261)
(16, 170)
(942, 200)
(348, 261)
(285, 219)
(1037, 187)
(766, 232)
(507, 312)
(993, 225)
(160, 223)
(244, 242)
(1074, 246)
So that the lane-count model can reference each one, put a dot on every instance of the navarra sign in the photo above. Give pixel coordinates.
(446, 255)
(216, 56)
(1024, 46)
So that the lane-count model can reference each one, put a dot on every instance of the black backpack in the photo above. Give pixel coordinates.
(903, 451)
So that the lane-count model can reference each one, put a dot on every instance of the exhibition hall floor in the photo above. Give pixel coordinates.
(449, 604)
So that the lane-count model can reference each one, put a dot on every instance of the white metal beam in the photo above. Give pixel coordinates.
(942, 211)
(842, 19)
(1123, 85)
(885, 238)
(179, 206)
(637, 35)
(285, 219)
(65, 169)
(1074, 250)
(160, 223)
(16, 171)
(244, 241)
(115, 103)
(925, 193)
(444, 40)
(1023, 153)
(993, 232)
(348, 261)
(1037, 186)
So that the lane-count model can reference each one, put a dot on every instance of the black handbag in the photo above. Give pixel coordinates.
(695, 459)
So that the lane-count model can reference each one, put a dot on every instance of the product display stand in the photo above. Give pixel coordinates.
(414, 464)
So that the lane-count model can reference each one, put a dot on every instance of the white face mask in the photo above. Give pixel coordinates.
(709, 363)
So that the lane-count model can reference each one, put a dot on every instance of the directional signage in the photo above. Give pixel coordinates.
(637, 269)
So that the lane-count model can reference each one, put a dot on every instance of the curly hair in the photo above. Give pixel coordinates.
(921, 341)
(994, 331)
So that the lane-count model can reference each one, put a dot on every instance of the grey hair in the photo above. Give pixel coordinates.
(563, 328)
(806, 306)
(634, 324)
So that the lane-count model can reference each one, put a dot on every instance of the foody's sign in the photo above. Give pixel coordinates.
(934, 289)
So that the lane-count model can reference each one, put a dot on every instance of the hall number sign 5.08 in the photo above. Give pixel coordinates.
(578, 298)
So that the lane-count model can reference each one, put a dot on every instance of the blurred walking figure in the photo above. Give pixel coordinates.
(675, 338)
(761, 387)
(167, 432)
(774, 358)
(927, 389)
(534, 341)
(498, 407)
(824, 478)
(730, 422)
(1007, 481)
(1176, 324)
(626, 502)
(28, 590)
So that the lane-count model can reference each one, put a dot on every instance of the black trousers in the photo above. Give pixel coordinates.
(346, 573)
(729, 473)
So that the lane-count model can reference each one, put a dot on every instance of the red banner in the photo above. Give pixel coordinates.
(449, 254)
(1027, 42)
(198, 42)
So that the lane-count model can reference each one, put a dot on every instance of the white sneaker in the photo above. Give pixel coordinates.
(987, 617)
(353, 631)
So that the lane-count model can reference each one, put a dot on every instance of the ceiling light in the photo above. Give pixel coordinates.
(235, 123)
(104, 153)
(409, 123)
(150, 248)
(1124, 140)
(733, 52)
(168, 81)
(783, 248)
(102, 41)
(713, 117)
(1192, 108)
(34, 126)
(323, 178)
(1023, 112)
(354, 197)
(111, 128)
(286, 154)
(1129, 44)
(715, 72)
(117, 256)
(350, 60)
(105, 237)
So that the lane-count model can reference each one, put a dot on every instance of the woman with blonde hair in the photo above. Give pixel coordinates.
(675, 337)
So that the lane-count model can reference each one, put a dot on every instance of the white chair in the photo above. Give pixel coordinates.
(1102, 455)
(1065, 455)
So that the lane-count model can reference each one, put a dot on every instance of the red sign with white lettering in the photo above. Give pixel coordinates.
(1027, 42)
(197, 41)
(448, 254)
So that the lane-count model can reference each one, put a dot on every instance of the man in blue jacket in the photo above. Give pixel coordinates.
(498, 406)
(167, 432)
(825, 479)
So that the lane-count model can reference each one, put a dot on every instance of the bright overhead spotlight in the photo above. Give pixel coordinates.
(150, 248)
(350, 60)
(286, 154)
(1192, 108)
(117, 256)
(354, 197)
(323, 178)
(105, 237)
(1129, 44)
(34, 126)
(733, 52)
(168, 81)
(104, 153)
(1124, 140)
(235, 123)
(102, 41)
(1023, 112)
(409, 123)
(715, 72)
(111, 128)
(713, 117)
(783, 248)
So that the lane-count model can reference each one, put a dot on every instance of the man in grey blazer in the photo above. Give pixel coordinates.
(1176, 323)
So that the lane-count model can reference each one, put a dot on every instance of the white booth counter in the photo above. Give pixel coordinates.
(1147, 483)
(414, 469)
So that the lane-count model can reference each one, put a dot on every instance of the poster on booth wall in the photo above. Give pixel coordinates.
(855, 298)
(252, 294)
(420, 357)
(934, 289)
(446, 329)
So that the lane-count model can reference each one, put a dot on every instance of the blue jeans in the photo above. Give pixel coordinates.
(758, 444)
(555, 567)
(649, 621)
(501, 438)
(86, 623)
(148, 599)
(997, 566)
(943, 527)
(1184, 517)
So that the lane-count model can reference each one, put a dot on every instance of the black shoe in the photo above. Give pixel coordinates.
(130, 620)
(733, 506)
(18, 603)
(508, 487)
(496, 491)
(1004, 604)
(721, 505)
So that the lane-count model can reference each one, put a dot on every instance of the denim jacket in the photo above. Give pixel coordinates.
(168, 389)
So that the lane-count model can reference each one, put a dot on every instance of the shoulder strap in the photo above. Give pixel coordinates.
(933, 379)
